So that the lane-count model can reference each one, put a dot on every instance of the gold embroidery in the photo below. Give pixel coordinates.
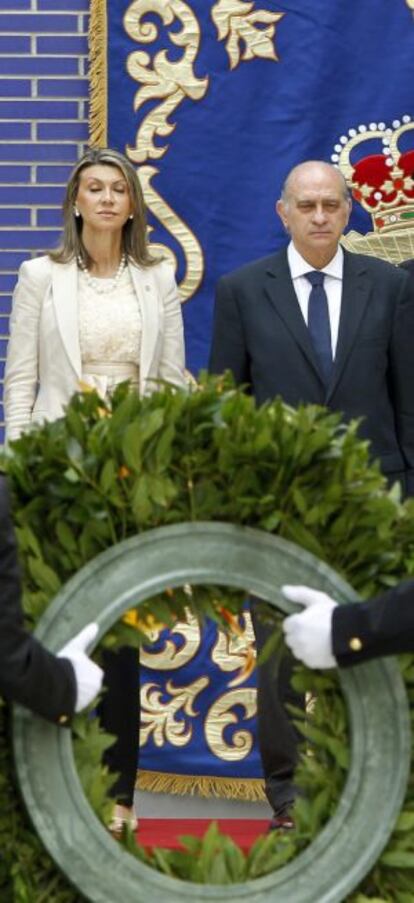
(158, 717)
(236, 650)
(236, 20)
(170, 81)
(98, 73)
(220, 716)
(249, 789)
(171, 655)
(229, 650)
(193, 254)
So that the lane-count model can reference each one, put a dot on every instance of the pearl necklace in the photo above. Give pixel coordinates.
(106, 285)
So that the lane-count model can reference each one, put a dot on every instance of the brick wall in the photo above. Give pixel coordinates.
(43, 129)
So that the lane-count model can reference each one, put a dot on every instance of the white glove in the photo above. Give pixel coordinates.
(88, 676)
(309, 634)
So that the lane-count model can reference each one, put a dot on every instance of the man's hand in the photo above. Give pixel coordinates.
(309, 634)
(88, 676)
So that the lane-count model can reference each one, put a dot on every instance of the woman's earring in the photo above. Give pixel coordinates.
(131, 216)
(76, 211)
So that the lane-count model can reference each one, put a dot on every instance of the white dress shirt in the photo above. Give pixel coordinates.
(333, 272)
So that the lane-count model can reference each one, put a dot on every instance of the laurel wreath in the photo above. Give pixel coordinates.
(107, 471)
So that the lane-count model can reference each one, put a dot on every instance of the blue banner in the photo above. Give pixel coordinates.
(216, 101)
(198, 712)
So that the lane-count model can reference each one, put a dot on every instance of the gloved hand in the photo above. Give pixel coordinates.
(88, 676)
(309, 634)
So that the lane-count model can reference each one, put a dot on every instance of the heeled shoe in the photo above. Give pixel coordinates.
(122, 815)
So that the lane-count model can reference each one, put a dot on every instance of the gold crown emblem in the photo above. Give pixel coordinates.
(380, 175)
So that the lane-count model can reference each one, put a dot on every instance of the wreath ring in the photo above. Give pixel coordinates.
(213, 553)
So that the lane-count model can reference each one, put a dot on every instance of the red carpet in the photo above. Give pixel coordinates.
(164, 832)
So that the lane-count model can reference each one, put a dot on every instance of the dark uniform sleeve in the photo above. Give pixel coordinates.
(382, 626)
(29, 674)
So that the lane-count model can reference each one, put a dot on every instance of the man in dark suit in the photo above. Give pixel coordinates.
(316, 324)
(52, 686)
(327, 634)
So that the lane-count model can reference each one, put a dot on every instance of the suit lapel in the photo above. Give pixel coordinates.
(355, 294)
(279, 288)
(65, 303)
(146, 291)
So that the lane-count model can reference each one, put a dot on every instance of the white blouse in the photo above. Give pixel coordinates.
(110, 332)
(110, 326)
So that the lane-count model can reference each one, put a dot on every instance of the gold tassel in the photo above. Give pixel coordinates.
(247, 789)
(98, 74)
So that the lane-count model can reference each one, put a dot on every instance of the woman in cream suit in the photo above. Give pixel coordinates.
(98, 310)
(68, 305)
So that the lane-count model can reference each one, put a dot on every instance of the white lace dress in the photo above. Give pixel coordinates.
(110, 332)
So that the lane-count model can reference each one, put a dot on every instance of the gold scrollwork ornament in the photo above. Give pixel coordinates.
(220, 716)
(159, 718)
(173, 656)
(237, 21)
(161, 78)
(236, 650)
(192, 250)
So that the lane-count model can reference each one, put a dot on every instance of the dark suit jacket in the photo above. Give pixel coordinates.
(409, 266)
(261, 336)
(384, 626)
(29, 674)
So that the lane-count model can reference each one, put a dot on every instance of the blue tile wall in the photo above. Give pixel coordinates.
(15, 87)
(36, 23)
(10, 217)
(73, 44)
(63, 131)
(43, 130)
(49, 218)
(53, 174)
(35, 152)
(11, 260)
(14, 131)
(38, 109)
(21, 44)
(5, 307)
(63, 87)
(38, 65)
(14, 174)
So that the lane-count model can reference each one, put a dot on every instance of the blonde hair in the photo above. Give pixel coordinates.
(134, 233)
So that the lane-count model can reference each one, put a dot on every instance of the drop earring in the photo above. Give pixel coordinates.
(76, 211)
(131, 216)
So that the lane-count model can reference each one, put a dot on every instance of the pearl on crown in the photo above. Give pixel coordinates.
(103, 286)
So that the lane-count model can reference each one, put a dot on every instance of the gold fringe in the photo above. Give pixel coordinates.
(98, 74)
(248, 789)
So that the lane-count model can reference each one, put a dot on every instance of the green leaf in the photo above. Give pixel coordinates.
(44, 577)
(71, 475)
(399, 859)
(108, 476)
(66, 537)
(405, 822)
(131, 446)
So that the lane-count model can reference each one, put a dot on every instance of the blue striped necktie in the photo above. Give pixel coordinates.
(318, 323)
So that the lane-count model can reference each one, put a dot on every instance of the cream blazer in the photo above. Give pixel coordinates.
(43, 366)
